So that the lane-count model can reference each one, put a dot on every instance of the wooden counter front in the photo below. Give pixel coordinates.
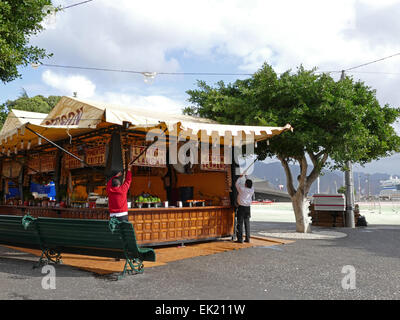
(153, 226)
(170, 225)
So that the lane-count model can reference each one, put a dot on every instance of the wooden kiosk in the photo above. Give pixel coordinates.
(79, 145)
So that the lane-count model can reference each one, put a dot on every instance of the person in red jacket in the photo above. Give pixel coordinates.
(117, 195)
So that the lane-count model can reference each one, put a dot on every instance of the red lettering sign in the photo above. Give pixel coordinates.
(72, 118)
(96, 156)
(69, 161)
(153, 157)
(213, 163)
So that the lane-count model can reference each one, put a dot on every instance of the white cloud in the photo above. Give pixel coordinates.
(160, 35)
(157, 103)
(145, 35)
(86, 89)
(68, 84)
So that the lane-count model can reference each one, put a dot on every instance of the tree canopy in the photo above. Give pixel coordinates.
(334, 121)
(342, 119)
(19, 20)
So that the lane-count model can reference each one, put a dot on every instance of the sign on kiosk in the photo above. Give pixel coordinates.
(41, 163)
(153, 157)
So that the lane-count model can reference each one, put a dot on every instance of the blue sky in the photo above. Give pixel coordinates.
(210, 36)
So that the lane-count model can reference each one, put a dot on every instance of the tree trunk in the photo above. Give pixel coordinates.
(299, 196)
(299, 203)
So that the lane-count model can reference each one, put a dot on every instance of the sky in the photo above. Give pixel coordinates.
(217, 36)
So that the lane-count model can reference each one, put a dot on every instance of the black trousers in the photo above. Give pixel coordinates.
(123, 218)
(243, 217)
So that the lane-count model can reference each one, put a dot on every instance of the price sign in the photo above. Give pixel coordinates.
(96, 156)
(213, 163)
(71, 162)
(153, 157)
(47, 162)
(33, 164)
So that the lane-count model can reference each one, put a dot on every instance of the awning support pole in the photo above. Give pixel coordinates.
(61, 148)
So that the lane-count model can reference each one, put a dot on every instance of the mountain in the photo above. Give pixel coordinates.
(330, 181)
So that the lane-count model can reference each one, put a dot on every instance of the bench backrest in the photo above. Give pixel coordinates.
(91, 237)
(13, 233)
(77, 232)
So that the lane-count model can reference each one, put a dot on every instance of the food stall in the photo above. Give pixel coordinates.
(79, 145)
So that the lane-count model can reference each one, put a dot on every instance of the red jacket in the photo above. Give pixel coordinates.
(117, 196)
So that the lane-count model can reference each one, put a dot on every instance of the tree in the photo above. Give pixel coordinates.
(38, 103)
(19, 20)
(334, 122)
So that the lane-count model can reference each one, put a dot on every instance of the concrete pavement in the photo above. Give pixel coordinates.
(306, 269)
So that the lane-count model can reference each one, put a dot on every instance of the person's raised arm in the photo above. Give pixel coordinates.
(240, 183)
(128, 179)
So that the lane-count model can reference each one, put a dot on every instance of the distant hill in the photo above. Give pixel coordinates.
(274, 173)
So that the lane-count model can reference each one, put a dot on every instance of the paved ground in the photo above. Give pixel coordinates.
(306, 269)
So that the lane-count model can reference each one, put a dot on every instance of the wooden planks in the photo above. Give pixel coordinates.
(329, 218)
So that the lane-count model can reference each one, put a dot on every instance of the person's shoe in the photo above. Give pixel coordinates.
(247, 240)
(239, 241)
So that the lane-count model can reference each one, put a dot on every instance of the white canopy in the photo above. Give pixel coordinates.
(74, 116)
(16, 118)
(87, 114)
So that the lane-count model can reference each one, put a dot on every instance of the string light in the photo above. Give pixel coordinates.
(29, 144)
(22, 144)
(149, 77)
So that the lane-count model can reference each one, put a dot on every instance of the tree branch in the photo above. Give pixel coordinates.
(289, 177)
(303, 172)
(318, 164)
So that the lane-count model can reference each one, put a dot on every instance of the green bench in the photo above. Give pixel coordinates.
(54, 236)
(13, 233)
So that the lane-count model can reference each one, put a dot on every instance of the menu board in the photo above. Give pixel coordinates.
(11, 169)
(213, 163)
(96, 156)
(33, 164)
(47, 162)
(41, 163)
(153, 157)
(71, 162)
